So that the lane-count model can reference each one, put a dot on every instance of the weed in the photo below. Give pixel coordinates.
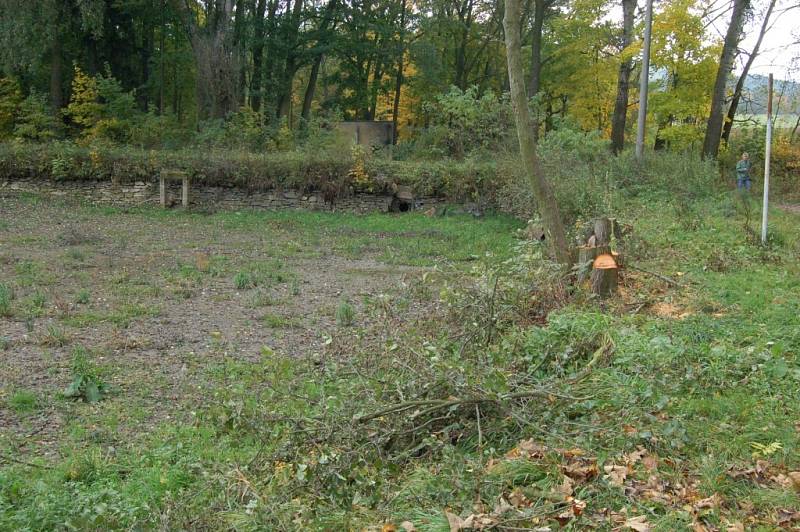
(276, 321)
(6, 296)
(86, 382)
(76, 254)
(55, 336)
(243, 280)
(23, 401)
(83, 296)
(38, 300)
(5, 343)
(294, 287)
(345, 314)
(260, 298)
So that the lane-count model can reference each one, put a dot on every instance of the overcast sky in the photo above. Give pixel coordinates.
(779, 47)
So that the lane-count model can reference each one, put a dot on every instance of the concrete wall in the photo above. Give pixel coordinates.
(210, 197)
(368, 132)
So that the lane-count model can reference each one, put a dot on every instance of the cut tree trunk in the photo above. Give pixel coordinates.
(604, 276)
(597, 262)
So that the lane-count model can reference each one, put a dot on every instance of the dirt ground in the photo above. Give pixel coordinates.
(154, 297)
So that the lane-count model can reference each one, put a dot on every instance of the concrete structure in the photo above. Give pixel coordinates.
(369, 132)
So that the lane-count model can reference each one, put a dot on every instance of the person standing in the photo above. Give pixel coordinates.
(743, 172)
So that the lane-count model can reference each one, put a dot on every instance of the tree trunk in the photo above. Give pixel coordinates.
(398, 84)
(161, 46)
(290, 67)
(256, 81)
(56, 99)
(308, 98)
(732, 36)
(239, 47)
(737, 93)
(536, 60)
(542, 191)
(623, 83)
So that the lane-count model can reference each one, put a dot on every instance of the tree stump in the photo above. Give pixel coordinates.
(586, 256)
(597, 262)
(604, 275)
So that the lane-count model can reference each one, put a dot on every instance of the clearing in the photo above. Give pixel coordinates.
(320, 371)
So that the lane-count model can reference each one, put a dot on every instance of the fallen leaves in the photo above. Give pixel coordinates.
(559, 502)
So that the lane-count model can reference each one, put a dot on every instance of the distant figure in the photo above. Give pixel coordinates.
(743, 172)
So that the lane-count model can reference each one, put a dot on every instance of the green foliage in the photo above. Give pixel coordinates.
(86, 384)
(83, 297)
(464, 122)
(100, 107)
(328, 171)
(345, 314)
(35, 121)
(10, 99)
(22, 401)
(243, 280)
(6, 296)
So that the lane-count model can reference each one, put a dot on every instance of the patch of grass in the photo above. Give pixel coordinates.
(6, 296)
(5, 343)
(55, 336)
(276, 321)
(120, 316)
(83, 297)
(345, 314)
(76, 254)
(22, 401)
(260, 298)
(244, 280)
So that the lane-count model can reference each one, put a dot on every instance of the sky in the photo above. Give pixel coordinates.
(780, 46)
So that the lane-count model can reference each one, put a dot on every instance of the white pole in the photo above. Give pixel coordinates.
(643, 81)
(767, 155)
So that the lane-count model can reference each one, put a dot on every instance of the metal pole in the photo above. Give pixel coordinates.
(767, 155)
(643, 82)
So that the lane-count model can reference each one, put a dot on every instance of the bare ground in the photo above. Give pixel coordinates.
(153, 298)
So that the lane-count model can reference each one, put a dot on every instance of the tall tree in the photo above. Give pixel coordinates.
(737, 91)
(626, 66)
(543, 192)
(729, 47)
(322, 45)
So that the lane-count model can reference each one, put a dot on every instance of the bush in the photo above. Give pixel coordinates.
(328, 172)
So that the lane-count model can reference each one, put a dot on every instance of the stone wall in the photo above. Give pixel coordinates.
(209, 197)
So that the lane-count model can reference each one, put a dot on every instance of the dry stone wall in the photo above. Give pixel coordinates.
(210, 197)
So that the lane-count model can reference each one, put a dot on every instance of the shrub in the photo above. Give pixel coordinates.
(326, 171)
(35, 120)
(10, 99)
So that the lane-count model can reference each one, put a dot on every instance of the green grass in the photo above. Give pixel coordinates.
(272, 444)
(6, 295)
(22, 401)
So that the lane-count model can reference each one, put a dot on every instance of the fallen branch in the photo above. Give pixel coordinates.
(433, 405)
(668, 280)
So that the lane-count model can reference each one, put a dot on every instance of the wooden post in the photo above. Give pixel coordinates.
(162, 187)
(185, 192)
